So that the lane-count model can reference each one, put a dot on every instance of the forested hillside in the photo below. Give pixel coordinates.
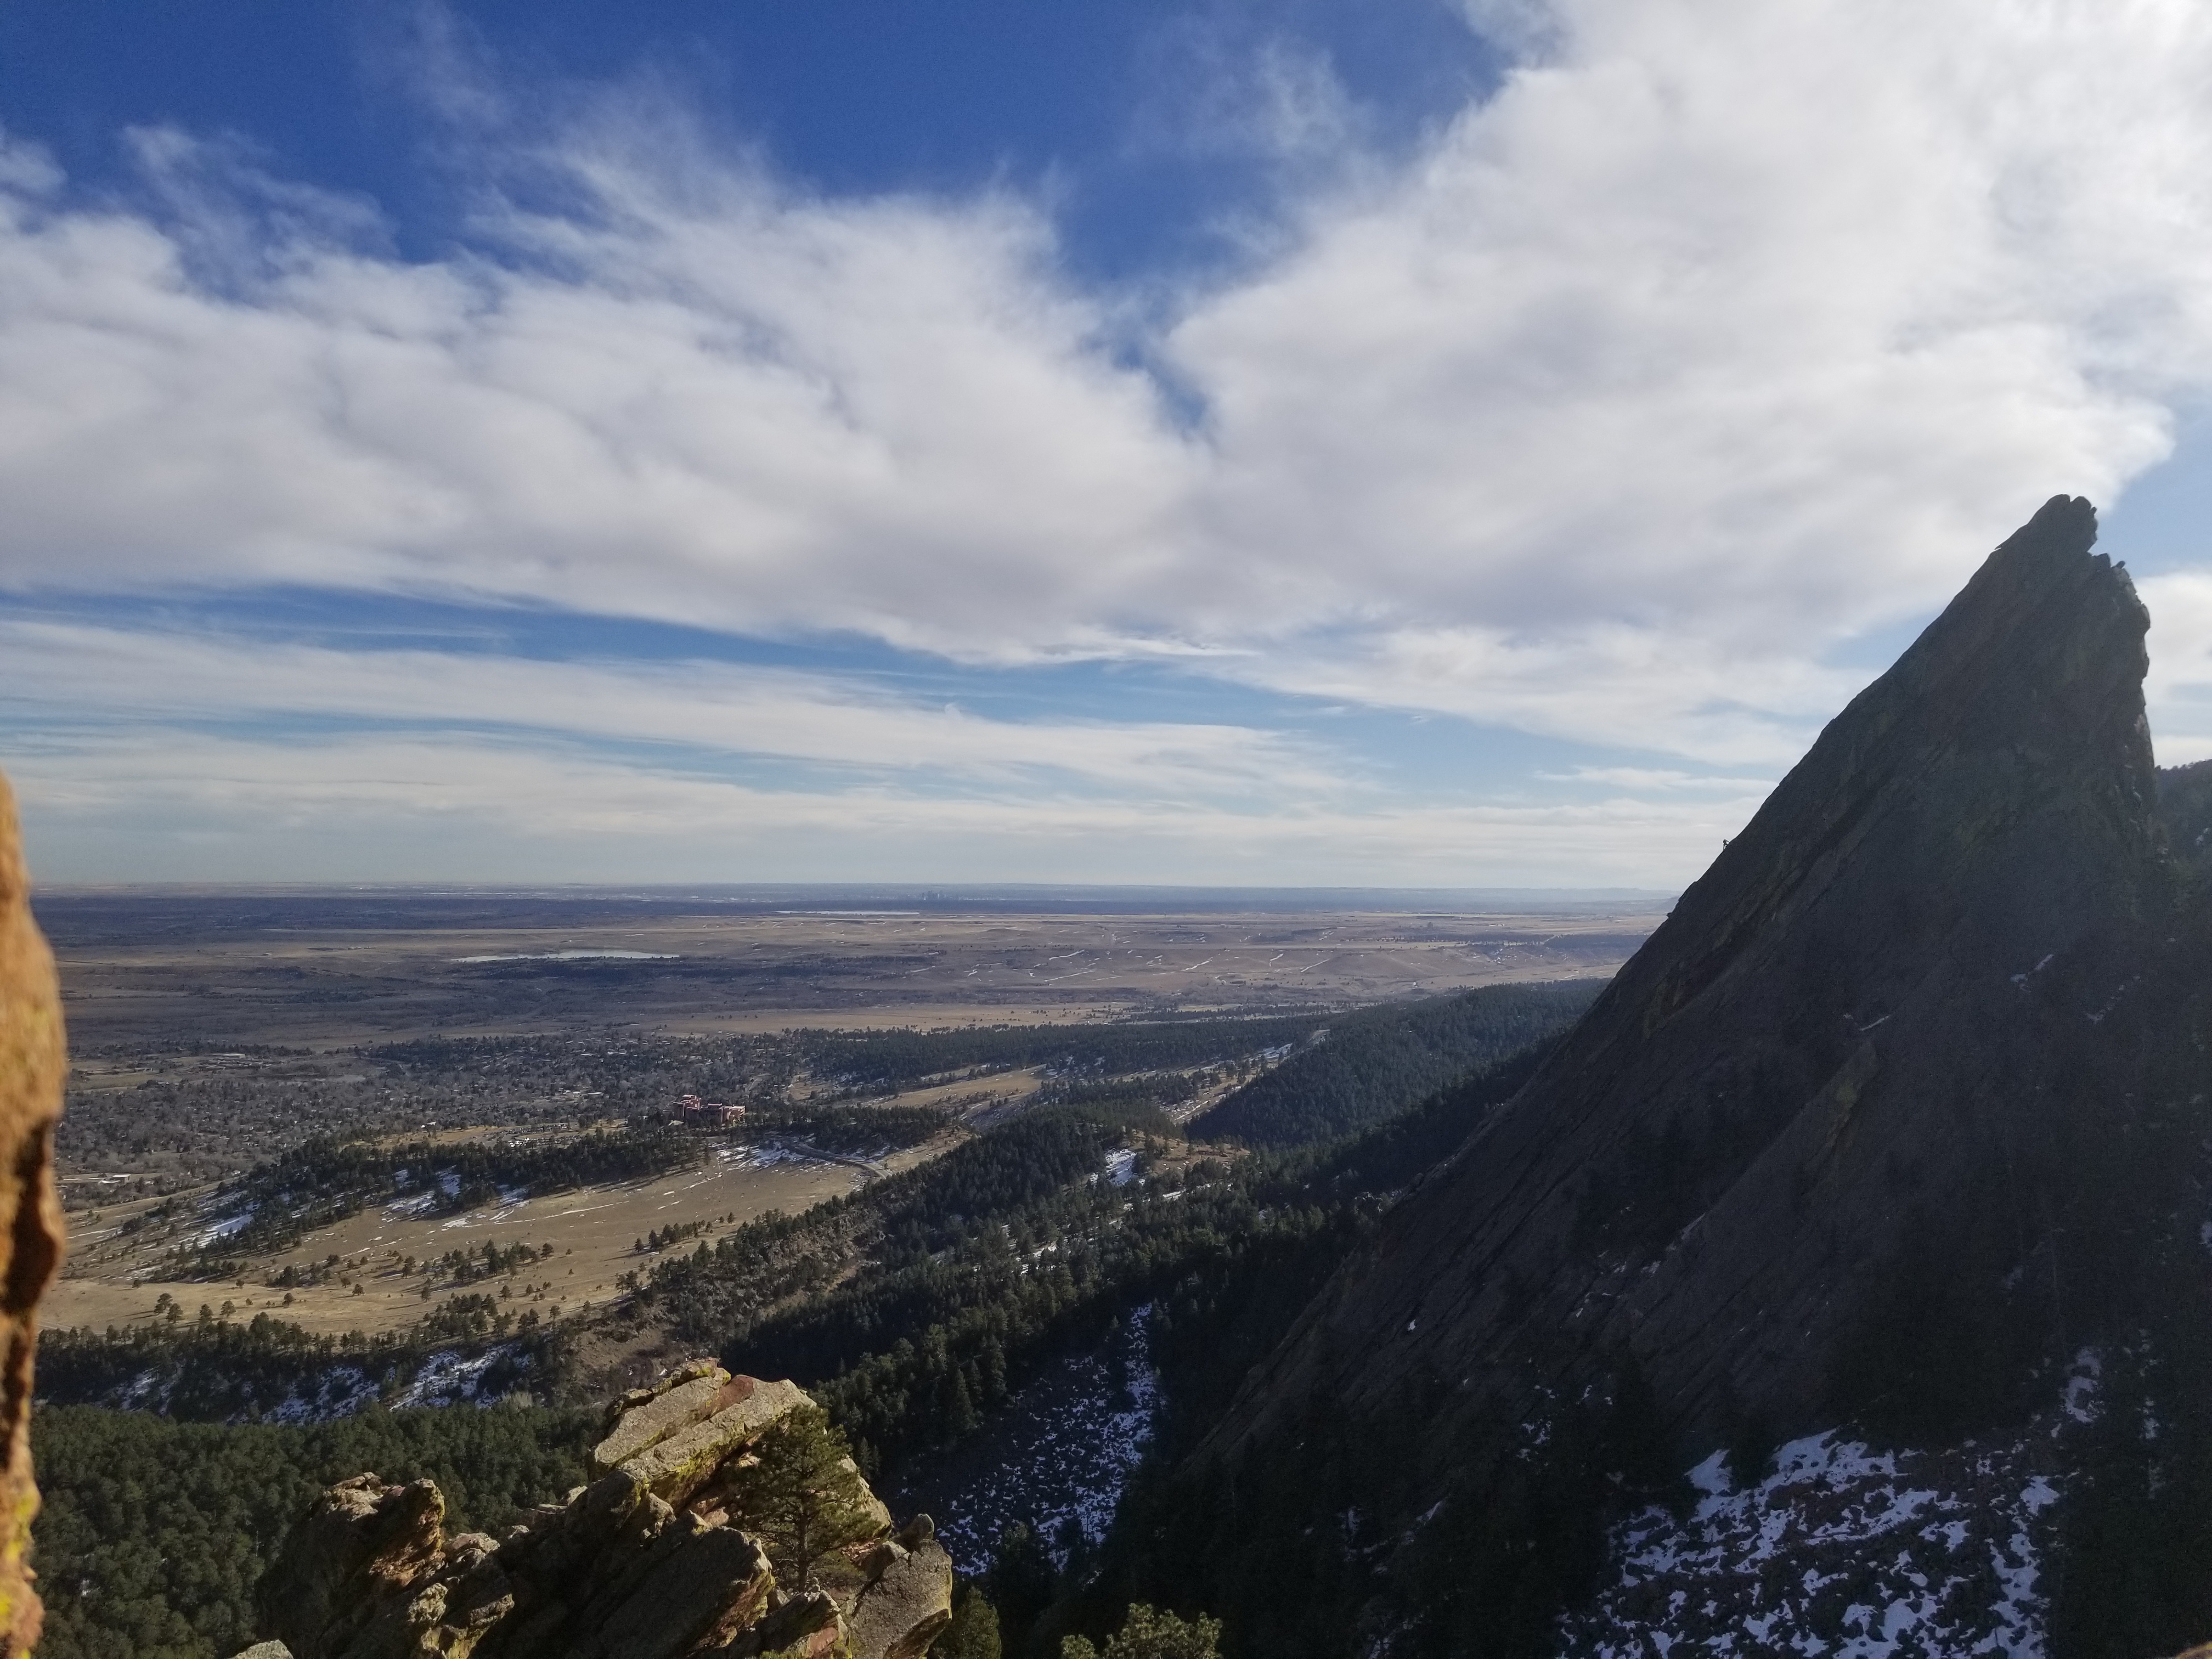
(893, 1059)
(912, 1308)
(1375, 1062)
(153, 1531)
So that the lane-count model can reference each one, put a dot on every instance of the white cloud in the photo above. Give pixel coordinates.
(464, 808)
(2179, 687)
(1747, 326)
(83, 673)
(1718, 335)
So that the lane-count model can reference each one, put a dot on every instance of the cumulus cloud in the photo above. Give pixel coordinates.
(1712, 337)
(1710, 320)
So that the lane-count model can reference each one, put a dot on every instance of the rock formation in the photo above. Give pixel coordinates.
(32, 1064)
(1902, 1105)
(642, 1564)
(1838, 1027)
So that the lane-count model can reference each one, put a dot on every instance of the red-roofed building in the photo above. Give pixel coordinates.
(708, 1114)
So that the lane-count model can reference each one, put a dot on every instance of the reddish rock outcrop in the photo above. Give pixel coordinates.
(32, 1064)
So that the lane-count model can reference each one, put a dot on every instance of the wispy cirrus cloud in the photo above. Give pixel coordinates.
(92, 674)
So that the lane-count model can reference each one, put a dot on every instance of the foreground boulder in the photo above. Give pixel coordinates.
(644, 1563)
(32, 1064)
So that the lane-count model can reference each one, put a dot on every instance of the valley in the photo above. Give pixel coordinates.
(953, 1234)
(588, 1237)
(1832, 1275)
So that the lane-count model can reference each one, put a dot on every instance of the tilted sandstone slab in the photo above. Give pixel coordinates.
(648, 1421)
(676, 1466)
(809, 1626)
(1846, 1022)
(362, 1547)
(907, 1598)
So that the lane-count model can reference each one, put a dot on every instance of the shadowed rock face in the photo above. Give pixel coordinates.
(1842, 1021)
(32, 1064)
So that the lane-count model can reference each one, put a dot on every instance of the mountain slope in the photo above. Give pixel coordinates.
(1902, 1107)
(1842, 1012)
(1374, 1063)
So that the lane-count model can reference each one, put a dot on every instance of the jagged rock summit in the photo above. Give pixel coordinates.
(1837, 1032)
(644, 1563)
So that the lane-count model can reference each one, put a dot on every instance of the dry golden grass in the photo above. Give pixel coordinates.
(318, 987)
(592, 1231)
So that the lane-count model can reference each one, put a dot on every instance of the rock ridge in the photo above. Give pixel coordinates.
(1839, 1026)
(33, 1062)
(643, 1563)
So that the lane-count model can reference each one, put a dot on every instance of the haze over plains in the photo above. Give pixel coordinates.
(1407, 445)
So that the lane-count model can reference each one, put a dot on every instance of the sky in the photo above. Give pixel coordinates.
(1349, 442)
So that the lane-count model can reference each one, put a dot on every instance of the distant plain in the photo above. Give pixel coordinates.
(322, 969)
(276, 995)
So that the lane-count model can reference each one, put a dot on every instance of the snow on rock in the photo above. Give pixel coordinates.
(1841, 1551)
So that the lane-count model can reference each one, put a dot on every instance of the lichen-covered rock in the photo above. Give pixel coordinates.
(810, 1626)
(345, 1581)
(32, 1064)
(658, 1417)
(909, 1600)
(708, 1591)
(675, 1467)
(622, 1570)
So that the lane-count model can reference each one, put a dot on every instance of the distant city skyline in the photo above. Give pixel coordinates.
(1401, 445)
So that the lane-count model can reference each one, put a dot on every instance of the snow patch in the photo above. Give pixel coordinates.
(2083, 1377)
(449, 1379)
(221, 1228)
(1062, 1451)
(1841, 1550)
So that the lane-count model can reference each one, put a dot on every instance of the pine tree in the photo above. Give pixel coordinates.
(801, 1494)
(1149, 1635)
(1021, 1582)
(973, 1632)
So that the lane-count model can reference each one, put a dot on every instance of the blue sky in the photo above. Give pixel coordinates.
(1389, 443)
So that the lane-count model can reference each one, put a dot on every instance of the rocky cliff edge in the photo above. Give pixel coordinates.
(1847, 1020)
(644, 1563)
